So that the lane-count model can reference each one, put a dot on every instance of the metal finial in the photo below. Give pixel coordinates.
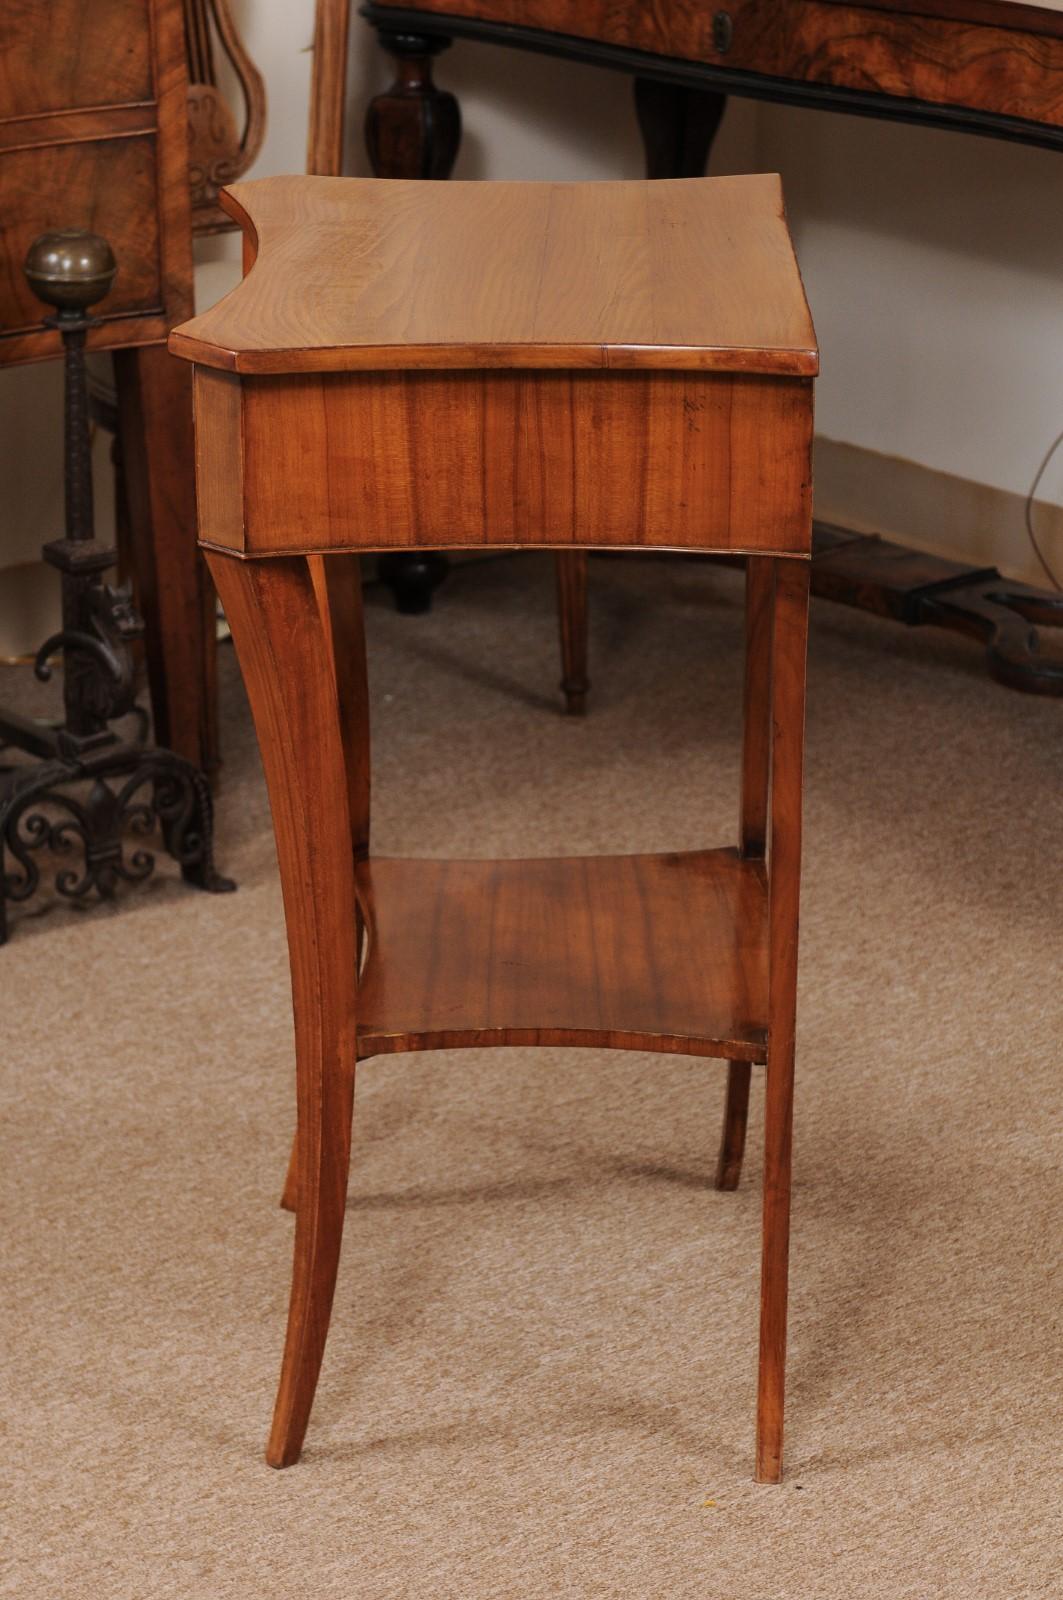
(70, 268)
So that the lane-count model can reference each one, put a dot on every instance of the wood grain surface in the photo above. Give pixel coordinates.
(66, 54)
(684, 28)
(355, 274)
(701, 439)
(93, 134)
(393, 460)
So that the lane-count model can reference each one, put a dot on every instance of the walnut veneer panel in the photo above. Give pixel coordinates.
(392, 460)
(59, 54)
(996, 69)
(354, 273)
(995, 56)
(94, 183)
(664, 952)
(94, 134)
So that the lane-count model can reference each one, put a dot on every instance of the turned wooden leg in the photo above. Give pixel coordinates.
(413, 130)
(756, 756)
(678, 126)
(789, 639)
(572, 616)
(283, 640)
(172, 583)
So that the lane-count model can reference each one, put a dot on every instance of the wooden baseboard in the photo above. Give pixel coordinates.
(934, 511)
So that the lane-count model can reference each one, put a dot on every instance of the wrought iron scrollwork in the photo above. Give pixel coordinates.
(126, 796)
(92, 797)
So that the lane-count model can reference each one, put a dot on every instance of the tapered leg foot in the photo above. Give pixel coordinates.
(733, 1138)
(324, 1143)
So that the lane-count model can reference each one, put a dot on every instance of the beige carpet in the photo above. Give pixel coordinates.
(540, 1375)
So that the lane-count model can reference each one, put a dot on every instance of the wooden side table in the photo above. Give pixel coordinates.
(414, 365)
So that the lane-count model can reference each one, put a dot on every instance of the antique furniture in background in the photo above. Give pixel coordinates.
(987, 66)
(218, 152)
(515, 365)
(87, 786)
(93, 133)
(96, 102)
(413, 131)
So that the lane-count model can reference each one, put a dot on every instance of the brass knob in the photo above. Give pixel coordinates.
(70, 268)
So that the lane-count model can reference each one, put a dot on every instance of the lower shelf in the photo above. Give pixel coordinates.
(655, 952)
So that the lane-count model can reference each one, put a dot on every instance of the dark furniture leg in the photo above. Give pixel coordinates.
(678, 125)
(572, 616)
(413, 130)
(173, 587)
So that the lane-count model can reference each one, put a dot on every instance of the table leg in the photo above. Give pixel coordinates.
(756, 761)
(282, 631)
(789, 640)
(173, 586)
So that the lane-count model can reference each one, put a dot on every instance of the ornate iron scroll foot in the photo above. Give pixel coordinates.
(95, 813)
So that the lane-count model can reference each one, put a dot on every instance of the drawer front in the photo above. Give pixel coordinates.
(377, 461)
(58, 55)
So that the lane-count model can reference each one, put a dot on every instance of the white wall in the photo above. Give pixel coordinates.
(932, 260)
(934, 266)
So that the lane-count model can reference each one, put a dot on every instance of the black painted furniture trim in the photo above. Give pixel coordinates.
(727, 80)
